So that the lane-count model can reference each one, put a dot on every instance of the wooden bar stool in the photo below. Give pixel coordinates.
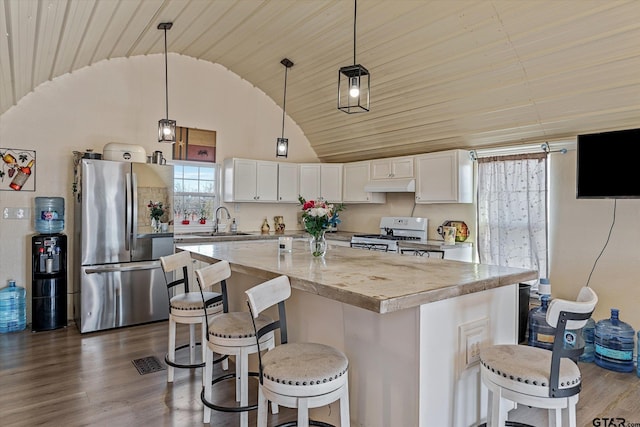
(186, 307)
(537, 377)
(230, 334)
(296, 375)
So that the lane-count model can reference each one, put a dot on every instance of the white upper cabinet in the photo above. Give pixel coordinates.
(250, 181)
(309, 180)
(321, 180)
(395, 167)
(331, 182)
(288, 188)
(355, 176)
(444, 177)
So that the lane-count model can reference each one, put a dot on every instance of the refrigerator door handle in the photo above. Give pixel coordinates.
(134, 207)
(128, 217)
(116, 268)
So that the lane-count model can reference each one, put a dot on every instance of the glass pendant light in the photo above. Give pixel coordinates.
(282, 143)
(353, 81)
(166, 127)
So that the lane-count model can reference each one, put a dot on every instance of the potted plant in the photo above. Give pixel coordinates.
(185, 218)
(203, 215)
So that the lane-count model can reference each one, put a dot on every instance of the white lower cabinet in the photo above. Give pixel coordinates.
(355, 176)
(444, 177)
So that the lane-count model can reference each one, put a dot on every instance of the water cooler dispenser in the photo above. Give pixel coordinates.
(49, 282)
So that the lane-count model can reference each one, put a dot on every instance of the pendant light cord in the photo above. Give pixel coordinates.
(166, 76)
(355, 14)
(284, 101)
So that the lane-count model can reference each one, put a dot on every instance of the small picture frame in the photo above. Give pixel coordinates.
(18, 169)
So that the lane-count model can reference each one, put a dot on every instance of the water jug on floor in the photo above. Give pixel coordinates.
(13, 313)
(589, 348)
(614, 342)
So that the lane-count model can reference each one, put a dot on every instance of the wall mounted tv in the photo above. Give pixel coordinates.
(606, 166)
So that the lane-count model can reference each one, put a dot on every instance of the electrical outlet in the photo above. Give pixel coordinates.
(471, 337)
(16, 213)
(473, 348)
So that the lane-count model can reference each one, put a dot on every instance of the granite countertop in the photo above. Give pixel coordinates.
(254, 235)
(376, 281)
(344, 236)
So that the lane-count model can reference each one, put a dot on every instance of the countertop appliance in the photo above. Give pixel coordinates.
(117, 275)
(392, 230)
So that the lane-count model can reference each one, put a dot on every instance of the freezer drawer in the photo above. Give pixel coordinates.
(117, 295)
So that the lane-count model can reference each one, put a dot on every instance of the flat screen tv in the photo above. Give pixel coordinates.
(606, 165)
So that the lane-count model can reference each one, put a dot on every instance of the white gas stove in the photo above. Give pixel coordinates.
(392, 230)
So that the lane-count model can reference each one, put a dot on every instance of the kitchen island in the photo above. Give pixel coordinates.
(409, 325)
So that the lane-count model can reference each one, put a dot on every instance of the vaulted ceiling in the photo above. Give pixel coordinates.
(444, 74)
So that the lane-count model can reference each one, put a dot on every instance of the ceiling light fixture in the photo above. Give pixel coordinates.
(353, 81)
(282, 143)
(166, 127)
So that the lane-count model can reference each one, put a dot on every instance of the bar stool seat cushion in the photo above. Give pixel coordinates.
(528, 366)
(192, 301)
(235, 329)
(304, 364)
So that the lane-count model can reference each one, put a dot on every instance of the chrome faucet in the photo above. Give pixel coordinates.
(217, 221)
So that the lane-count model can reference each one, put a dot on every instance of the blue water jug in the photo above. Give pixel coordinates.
(541, 334)
(13, 313)
(614, 342)
(588, 335)
(638, 356)
(49, 215)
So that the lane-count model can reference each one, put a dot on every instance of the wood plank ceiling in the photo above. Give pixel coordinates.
(445, 74)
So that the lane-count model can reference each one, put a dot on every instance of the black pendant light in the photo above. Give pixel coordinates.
(166, 127)
(353, 81)
(282, 143)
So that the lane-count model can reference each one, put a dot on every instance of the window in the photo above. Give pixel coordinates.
(512, 211)
(195, 197)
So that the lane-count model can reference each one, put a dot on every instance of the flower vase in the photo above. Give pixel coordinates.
(318, 245)
(155, 225)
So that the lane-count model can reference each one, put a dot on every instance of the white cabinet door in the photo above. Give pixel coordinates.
(444, 177)
(321, 180)
(331, 182)
(309, 180)
(250, 181)
(288, 182)
(266, 181)
(355, 176)
(244, 180)
(395, 167)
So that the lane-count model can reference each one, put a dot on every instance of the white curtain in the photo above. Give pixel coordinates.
(512, 211)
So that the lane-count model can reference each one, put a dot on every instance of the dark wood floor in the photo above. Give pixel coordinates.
(62, 378)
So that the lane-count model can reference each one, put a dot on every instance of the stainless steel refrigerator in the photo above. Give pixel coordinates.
(118, 278)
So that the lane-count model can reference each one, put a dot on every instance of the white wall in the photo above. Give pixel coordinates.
(579, 230)
(122, 100)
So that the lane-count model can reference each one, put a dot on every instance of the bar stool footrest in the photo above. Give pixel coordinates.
(228, 408)
(510, 424)
(189, 365)
(311, 423)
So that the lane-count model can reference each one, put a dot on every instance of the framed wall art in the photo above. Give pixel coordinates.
(195, 144)
(18, 172)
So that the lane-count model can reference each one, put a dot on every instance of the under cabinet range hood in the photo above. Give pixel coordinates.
(391, 186)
